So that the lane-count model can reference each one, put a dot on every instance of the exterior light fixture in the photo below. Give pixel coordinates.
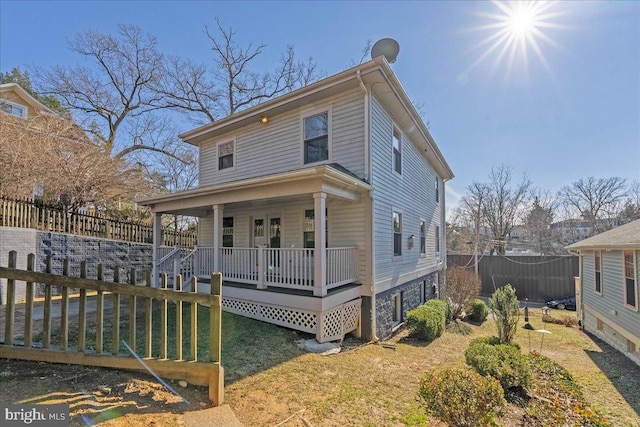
(412, 238)
(264, 119)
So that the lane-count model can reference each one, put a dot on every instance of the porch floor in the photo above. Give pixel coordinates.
(279, 290)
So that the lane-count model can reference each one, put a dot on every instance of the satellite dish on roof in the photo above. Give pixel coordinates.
(388, 48)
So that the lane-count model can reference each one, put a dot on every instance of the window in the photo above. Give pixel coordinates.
(630, 283)
(396, 309)
(227, 232)
(397, 233)
(397, 151)
(437, 239)
(225, 155)
(437, 190)
(423, 241)
(316, 138)
(309, 229)
(13, 109)
(598, 271)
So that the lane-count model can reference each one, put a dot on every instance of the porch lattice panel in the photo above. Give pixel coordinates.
(329, 325)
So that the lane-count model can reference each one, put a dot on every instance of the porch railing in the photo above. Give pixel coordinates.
(290, 268)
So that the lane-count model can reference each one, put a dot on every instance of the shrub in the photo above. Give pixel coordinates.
(428, 321)
(442, 306)
(462, 286)
(479, 311)
(504, 362)
(506, 312)
(461, 397)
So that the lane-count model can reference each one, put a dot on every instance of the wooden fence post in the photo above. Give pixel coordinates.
(194, 322)
(148, 324)
(132, 311)
(82, 310)
(115, 327)
(216, 380)
(28, 312)
(46, 322)
(178, 288)
(163, 318)
(64, 309)
(99, 313)
(11, 303)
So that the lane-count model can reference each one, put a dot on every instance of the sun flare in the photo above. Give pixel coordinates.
(516, 29)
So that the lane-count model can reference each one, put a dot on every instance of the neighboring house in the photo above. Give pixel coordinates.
(323, 208)
(607, 290)
(19, 103)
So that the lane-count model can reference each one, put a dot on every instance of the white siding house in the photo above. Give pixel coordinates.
(608, 296)
(323, 208)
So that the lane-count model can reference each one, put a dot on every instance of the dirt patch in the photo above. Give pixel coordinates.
(99, 395)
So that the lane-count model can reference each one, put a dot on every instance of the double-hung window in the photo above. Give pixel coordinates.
(437, 239)
(597, 260)
(437, 190)
(423, 240)
(227, 232)
(309, 227)
(397, 151)
(630, 280)
(13, 109)
(225, 155)
(316, 138)
(397, 233)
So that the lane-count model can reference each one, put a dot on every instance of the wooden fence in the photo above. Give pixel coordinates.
(80, 336)
(27, 213)
(538, 278)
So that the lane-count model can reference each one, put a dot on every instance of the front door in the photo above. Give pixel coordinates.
(259, 232)
(266, 232)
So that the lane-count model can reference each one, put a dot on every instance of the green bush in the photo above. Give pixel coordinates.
(441, 305)
(506, 312)
(478, 311)
(504, 362)
(428, 321)
(461, 397)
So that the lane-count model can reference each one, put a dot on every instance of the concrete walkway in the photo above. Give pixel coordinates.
(221, 416)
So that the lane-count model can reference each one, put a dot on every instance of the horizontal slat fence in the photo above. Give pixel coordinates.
(27, 213)
(83, 325)
(538, 278)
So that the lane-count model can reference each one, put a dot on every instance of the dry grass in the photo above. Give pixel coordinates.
(373, 385)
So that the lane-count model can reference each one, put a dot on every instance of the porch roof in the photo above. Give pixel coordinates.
(326, 178)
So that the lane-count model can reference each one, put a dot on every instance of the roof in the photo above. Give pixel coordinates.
(34, 103)
(623, 237)
(376, 74)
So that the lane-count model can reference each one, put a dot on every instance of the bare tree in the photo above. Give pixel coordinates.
(596, 200)
(113, 89)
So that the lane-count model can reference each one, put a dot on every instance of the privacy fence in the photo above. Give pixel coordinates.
(112, 324)
(538, 278)
(30, 213)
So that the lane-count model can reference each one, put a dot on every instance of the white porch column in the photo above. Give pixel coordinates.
(157, 242)
(218, 212)
(320, 248)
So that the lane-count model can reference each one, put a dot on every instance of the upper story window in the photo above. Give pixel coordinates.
(227, 232)
(598, 271)
(630, 279)
(397, 233)
(316, 138)
(397, 151)
(423, 241)
(225, 155)
(437, 190)
(13, 109)
(437, 239)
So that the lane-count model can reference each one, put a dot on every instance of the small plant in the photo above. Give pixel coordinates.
(506, 312)
(461, 397)
(428, 321)
(479, 311)
(462, 288)
(504, 362)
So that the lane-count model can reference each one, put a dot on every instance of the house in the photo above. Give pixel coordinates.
(607, 289)
(323, 208)
(16, 101)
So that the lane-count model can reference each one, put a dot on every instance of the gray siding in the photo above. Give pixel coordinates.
(610, 305)
(277, 146)
(413, 194)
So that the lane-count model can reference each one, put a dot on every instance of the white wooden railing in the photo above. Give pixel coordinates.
(290, 268)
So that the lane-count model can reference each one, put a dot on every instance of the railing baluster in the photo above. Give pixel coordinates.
(194, 323)
(163, 319)
(132, 311)
(82, 311)
(115, 327)
(46, 321)
(148, 325)
(64, 309)
(178, 288)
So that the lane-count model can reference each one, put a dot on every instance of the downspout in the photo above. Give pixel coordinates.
(581, 308)
(367, 172)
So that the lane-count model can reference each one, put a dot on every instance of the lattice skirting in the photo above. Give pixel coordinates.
(328, 325)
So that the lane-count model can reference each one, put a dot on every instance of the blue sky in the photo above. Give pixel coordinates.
(571, 111)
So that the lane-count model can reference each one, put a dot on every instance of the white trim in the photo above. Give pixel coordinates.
(386, 284)
(393, 234)
(235, 158)
(398, 311)
(422, 254)
(15, 104)
(310, 113)
(396, 129)
(595, 278)
(624, 282)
